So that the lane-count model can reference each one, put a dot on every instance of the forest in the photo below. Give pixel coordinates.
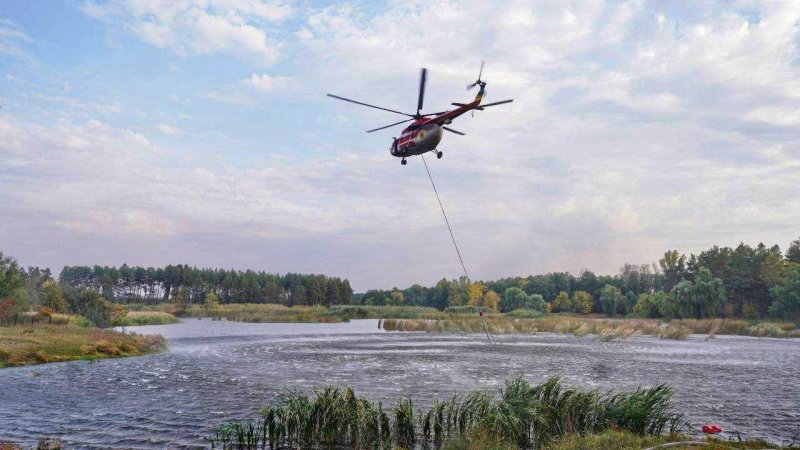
(745, 281)
(136, 284)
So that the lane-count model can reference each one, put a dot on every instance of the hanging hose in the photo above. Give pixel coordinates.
(445, 218)
(458, 252)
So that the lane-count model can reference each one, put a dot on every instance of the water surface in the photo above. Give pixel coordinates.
(218, 371)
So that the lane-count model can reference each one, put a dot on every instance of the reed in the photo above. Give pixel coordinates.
(267, 313)
(134, 318)
(385, 312)
(520, 415)
(605, 329)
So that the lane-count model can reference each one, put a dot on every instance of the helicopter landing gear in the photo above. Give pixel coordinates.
(403, 161)
(439, 155)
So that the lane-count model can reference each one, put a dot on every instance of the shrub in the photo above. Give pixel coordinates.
(522, 415)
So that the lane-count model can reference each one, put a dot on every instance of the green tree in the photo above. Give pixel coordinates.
(90, 304)
(514, 298)
(786, 296)
(212, 306)
(582, 302)
(702, 298)
(396, 297)
(182, 300)
(11, 277)
(611, 299)
(457, 292)
(53, 297)
(673, 267)
(773, 269)
(561, 303)
(630, 300)
(22, 301)
(648, 305)
(793, 252)
(536, 301)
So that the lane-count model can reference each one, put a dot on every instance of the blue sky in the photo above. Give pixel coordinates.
(197, 131)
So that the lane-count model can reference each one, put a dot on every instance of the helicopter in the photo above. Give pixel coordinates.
(426, 131)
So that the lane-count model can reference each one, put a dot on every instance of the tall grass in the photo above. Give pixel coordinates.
(605, 329)
(267, 312)
(272, 312)
(521, 415)
(133, 318)
(385, 312)
(21, 346)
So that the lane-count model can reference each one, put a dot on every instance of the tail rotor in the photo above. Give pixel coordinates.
(478, 82)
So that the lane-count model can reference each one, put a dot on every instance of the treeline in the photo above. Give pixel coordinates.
(745, 281)
(134, 284)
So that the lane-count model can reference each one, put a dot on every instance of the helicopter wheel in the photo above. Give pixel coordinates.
(404, 162)
(439, 155)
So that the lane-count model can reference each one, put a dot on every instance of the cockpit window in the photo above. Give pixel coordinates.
(413, 128)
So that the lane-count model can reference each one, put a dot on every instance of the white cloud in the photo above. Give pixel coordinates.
(200, 27)
(775, 116)
(266, 83)
(634, 129)
(148, 192)
(168, 129)
(12, 39)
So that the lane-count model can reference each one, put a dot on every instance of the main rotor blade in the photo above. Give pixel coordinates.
(422, 80)
(371, 106)
(387, 126)
(454, 131)
(497, 103)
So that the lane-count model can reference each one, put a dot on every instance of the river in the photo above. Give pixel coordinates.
(216, 371)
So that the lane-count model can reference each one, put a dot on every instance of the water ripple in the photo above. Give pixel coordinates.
(220, 371)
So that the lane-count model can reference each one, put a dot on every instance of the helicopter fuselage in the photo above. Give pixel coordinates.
(421, 137)
(425, 133)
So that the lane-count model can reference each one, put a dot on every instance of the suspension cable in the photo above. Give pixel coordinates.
(489, 334)
(445, 218)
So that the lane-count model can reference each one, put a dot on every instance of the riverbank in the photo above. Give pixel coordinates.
(39, 344)
(620, 440)
(606, 329)
(274, 313)
(461, 320)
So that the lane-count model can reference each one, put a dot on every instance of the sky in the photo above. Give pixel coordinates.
(198, 132)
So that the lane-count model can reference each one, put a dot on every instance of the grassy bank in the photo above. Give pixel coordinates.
(265, 312)
(456, 320)
(270, 312)
(605, 329)
(519, 415)
(133, 318)
(20, 346)
(620, 440)
(386, 312)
